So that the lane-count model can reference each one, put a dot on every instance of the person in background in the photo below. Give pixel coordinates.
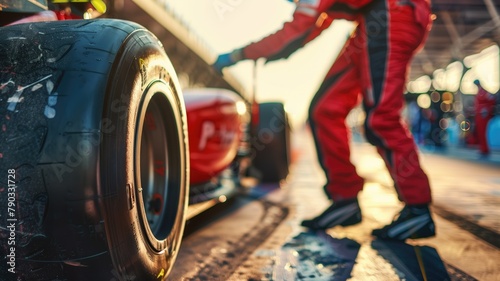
(484, 110)
(373, 64)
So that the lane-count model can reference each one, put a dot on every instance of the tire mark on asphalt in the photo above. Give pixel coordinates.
(458, 275)
(221, 266)
(481, 232)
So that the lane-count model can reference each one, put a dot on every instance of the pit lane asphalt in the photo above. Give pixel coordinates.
(257, 235)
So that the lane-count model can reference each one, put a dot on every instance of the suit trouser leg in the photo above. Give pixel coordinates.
(338, 94)
(392, 38)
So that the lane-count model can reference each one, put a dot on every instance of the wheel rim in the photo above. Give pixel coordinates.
(157, 172)
(154, 171)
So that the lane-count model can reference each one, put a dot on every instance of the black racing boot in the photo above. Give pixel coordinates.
(344, 213)
(413, 222)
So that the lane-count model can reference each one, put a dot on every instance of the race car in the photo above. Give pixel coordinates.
(103, 156)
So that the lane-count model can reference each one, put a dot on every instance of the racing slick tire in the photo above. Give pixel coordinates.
(93, 153)
(272, 143)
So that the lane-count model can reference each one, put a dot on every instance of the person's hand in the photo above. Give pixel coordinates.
(223, 60)
(228, 59)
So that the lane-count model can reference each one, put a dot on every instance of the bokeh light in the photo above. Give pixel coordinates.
(465, 125)
(443, 123)
(454, 72)
(484, 66)
(424, 101)
(435, 96)
(447, 98)
(439, 80)
(446, 107)
(419, 85)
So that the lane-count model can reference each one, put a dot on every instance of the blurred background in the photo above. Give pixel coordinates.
(443, 105)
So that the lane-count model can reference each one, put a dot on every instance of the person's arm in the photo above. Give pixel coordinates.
(309, 20)
(307, 24)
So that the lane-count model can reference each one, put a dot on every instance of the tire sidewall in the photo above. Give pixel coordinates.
(71, 136)
(141, 68)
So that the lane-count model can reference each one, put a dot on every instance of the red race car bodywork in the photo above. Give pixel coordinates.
(216, 122)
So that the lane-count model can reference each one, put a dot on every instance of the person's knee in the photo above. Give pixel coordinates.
(380, 128)
(324, 111)
(372, 137)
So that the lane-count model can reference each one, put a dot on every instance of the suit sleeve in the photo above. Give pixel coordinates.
(307, 23)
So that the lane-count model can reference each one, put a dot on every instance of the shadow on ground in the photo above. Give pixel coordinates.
(319, 256)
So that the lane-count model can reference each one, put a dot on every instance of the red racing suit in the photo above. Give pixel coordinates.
(484, 108)
(373, 64)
